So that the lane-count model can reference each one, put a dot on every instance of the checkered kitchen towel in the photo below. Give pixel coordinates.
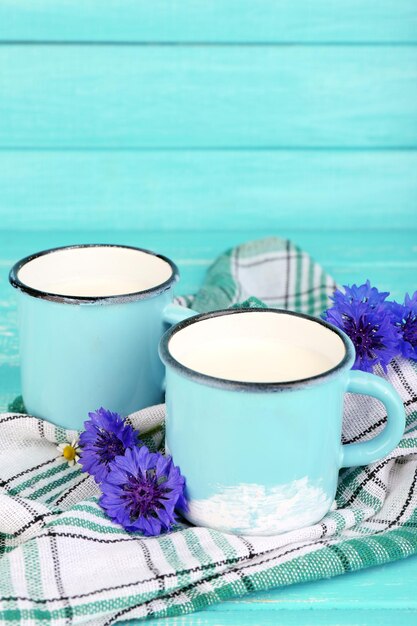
(62, 561)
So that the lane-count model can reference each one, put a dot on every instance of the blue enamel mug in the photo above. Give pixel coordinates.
(90, 318)
(254, 417)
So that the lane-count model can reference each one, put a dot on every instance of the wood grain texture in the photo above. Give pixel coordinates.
(210, 21)
(331, 617)
(208, 96)
(197, 190)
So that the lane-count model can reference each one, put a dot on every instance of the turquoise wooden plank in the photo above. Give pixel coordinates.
(208, 189)
(330, 617)
(131, 96)
(210, 21)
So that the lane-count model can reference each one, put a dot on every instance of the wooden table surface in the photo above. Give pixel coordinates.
(385, 596)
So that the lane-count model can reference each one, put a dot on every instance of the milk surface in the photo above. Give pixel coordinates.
(257, 360)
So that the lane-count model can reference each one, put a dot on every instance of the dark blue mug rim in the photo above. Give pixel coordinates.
(67, 299)
(236, 385)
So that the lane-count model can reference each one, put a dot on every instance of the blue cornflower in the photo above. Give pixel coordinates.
(362, 313)
(142, 490)
(362, 293)
(404, 317)
(106, 436)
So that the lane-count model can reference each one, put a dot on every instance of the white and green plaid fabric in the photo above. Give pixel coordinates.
(63, 562)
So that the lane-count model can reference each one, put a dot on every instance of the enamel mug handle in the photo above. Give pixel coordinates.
(174, 313)
(354, 454)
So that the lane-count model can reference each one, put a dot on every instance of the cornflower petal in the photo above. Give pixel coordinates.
(364, 315)
(106, 436)
(142, 490)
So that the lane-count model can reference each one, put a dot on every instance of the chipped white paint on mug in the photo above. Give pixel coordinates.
(252, 509)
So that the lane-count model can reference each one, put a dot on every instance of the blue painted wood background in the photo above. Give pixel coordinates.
(188, 126)
(183, 114)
